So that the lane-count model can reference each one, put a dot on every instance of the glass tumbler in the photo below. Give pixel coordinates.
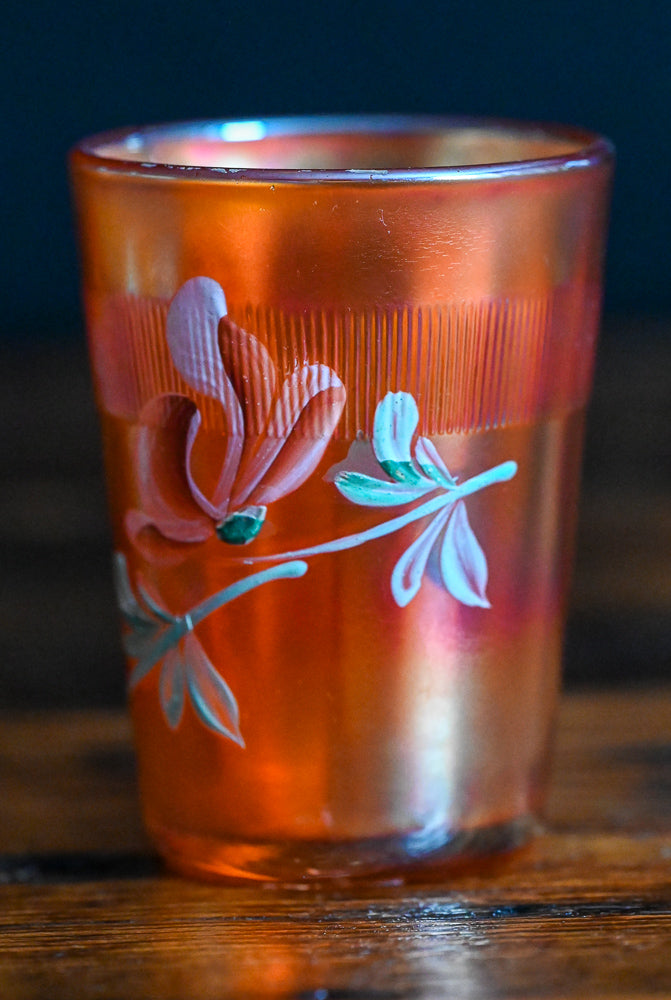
(341, 367)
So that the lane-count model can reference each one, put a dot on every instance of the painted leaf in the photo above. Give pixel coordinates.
(152, 603)
(396, 419)
(242, 526)
(132, 611)
(172, 686)
(406, 578)
(149, 650)
(370, 492)
(211, 696)
(401, 472)
(463, 564)
(432, 464)
(139, 642)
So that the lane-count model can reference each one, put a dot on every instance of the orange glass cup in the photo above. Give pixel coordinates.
(342, 367)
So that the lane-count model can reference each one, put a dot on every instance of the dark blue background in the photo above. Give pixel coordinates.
(73, 68)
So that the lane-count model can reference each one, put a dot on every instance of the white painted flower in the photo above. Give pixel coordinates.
(407, 476)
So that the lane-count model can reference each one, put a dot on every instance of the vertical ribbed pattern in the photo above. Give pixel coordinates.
(470, 366)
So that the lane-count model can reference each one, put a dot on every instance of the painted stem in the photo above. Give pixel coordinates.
(185, 623)
(499, 474)
(285, 571)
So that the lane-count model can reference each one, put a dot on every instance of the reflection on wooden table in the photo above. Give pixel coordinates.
(584, 910)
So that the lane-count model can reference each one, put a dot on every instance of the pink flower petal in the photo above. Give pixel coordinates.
(157, 548)
(251, 372)
(221, 455)
(166, 502)
(298, 433)
(192, 332)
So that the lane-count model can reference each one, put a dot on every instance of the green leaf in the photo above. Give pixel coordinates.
(242, 527)
(370, 492)
(402, 472)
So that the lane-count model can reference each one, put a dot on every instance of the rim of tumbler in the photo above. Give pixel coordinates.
(590, 148)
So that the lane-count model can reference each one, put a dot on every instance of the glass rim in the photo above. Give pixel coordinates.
(589, 149)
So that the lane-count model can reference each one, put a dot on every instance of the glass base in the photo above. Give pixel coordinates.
(313, 861)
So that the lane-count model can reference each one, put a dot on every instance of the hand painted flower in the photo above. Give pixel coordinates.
(447, 546)
(193, 483)
(154, 636)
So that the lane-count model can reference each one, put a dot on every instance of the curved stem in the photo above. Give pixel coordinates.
(185, 623)
(285, 571)
(499, 474)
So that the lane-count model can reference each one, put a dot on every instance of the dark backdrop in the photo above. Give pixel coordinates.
(70, 68)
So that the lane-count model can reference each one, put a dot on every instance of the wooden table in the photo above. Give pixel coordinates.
(585, 911)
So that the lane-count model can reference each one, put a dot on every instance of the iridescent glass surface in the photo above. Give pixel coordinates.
(342, 367)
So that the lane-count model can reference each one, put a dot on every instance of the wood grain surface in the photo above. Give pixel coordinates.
(584, 911)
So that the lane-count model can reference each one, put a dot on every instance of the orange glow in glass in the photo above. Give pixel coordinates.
(342, 367)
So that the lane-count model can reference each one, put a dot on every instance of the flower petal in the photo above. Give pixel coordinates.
(156, 548)
(252, 374)
(360, 458)
(192, 333)
(432, 464)
(166, 501)
(201, 463)
(396, 419)
(406, 578)
(370, 492)
(297, 435)
(463, 564)
(211, 696)
(172, 686)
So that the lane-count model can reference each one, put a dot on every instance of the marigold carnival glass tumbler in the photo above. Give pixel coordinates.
(341, 367)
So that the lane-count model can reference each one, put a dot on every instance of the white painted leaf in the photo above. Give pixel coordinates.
(463, 564)
(139, 642)
(172, 686)
(406, 578)
(132, 611)
(370, 492)
(211, 696)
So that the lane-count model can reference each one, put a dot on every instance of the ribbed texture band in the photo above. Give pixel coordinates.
(470, 366)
